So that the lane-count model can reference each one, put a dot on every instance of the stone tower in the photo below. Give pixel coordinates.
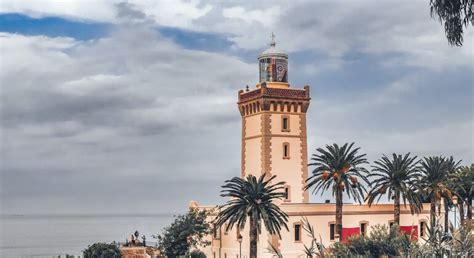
(274, 126)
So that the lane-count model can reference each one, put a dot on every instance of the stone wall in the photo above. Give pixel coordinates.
(138, 252)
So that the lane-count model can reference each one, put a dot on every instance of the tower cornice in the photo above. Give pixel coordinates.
(264, 96)
(275, 93)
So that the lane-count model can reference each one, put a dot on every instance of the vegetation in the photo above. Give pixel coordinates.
(274, 250)
(434, 181)
(102, 250)
(464, 188)
(186, 232)
(396, 177)
(455, 15)
(197, 254)
(437, 241)
(390, 242)
(316, 247)
(339, 169)
(463, 242)
(252, 199)
(458, 243)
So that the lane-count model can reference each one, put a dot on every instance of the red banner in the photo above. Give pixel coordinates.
(348, 232)
(410, 230)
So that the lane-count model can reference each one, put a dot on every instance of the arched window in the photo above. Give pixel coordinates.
(226, 230)
(285, 123)
(216, 232)
(332, 230)
(422, 228)
(287, 193)
(391, 223)
(297, 231)
(286, 150)
(363, 227)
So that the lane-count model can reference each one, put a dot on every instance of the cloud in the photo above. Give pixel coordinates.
(134, 113)
(102, 114)
(335, 29)
(177, 13)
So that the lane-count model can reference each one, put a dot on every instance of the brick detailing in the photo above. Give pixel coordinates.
(265, 144)
(274, 93)
(304, 156)
(243, 147)
(138, 252)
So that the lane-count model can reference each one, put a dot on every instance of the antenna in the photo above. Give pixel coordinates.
(272, 42)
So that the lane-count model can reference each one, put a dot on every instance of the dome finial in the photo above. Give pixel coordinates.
(272, 42)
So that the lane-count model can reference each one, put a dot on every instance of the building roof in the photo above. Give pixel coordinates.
(275, 93)
(273, 51)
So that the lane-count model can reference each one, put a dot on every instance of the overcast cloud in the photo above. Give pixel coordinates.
(135, 117)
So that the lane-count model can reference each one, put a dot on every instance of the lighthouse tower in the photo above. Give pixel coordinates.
(274, 126)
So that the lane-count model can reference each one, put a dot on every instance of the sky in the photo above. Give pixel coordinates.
(130, 107)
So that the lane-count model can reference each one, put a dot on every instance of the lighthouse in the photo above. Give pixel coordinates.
(274, 126)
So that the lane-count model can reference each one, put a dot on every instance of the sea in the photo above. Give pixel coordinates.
(58, 235)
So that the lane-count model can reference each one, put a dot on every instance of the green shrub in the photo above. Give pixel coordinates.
(102, 250)
(380, 242)
(339, 249)
(188, 231)
(197, 254)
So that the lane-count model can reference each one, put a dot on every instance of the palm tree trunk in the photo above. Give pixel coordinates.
(469, 208)
(396, 210)
(253, 234)
(461, 210)
(446, 216)
(432, 211)
(339, 213)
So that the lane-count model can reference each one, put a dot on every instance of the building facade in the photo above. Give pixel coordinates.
(274, 142)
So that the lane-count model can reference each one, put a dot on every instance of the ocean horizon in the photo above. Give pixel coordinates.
(53, 235)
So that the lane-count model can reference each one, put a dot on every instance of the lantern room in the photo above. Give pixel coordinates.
(273, 65)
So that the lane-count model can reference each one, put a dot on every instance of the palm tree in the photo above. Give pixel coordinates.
(397, 176)
(340, 169)
(434, 181)
(464, 187)
(253, 198)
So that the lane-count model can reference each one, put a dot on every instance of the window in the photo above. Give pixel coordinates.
(226, 230)
(422, 228)
(363, 228)
(216, 232)
(285, 123)
(332, 228)
(238, 235)
(297, 232)
(286, 150)
(287, 194)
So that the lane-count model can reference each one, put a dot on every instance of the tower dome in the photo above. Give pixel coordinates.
(273, 64)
